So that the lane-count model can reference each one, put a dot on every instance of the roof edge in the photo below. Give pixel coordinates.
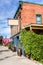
(15, 35)
(21, 2)
(30, 3)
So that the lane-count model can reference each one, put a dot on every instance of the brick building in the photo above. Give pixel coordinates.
(30, 16)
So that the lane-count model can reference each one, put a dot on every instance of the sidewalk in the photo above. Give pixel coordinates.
(8, 57)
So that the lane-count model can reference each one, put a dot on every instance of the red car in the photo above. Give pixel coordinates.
(6, 41)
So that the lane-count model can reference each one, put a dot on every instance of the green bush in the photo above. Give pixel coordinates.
(33, 44)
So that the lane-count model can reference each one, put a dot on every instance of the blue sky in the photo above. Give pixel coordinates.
(7, 10)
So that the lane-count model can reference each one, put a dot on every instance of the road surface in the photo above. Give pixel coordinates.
(8, 57)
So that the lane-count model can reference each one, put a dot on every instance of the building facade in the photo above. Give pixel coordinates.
(30, 16)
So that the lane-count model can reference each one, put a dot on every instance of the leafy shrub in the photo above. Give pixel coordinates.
(33, 44)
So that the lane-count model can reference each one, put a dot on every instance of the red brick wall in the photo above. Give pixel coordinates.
(29, 11)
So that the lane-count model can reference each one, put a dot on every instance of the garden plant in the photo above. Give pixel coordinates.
(33, 44)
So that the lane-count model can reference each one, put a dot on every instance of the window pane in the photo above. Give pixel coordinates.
(38, 19)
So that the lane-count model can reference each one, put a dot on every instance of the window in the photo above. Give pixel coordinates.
(38, 19)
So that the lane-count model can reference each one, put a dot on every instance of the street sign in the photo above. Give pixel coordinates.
(13, 22)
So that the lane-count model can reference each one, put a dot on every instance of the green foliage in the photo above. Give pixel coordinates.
(33, 44)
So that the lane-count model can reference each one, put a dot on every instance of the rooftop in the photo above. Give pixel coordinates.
(30, 3)
(21, 2)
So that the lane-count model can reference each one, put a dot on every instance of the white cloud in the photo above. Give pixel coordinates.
(7, 10)
(3, 2)
(3, 23)
(4, 28)
(5, 32)
(8, 1)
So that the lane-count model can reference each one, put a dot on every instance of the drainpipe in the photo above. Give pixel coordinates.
(20, 23)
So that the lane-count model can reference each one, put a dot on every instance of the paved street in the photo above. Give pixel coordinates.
(8, 57)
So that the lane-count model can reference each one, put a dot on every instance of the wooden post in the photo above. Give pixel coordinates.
(30, 28)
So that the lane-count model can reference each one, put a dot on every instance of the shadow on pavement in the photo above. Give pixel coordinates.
(7, 57)
(4, 50)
